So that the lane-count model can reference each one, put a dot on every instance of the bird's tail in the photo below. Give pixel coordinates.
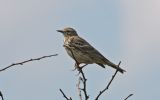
(116, 67)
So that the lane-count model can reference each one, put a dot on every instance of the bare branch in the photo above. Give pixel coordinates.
(65, 95)
(101, 92)
(128, 96)
(26, 61)
(1, 95)
(84, 85)
(79, 89)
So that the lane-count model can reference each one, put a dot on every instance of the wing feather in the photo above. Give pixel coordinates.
(82, 45)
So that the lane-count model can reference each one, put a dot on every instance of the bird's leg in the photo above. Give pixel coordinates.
(84, 66)
(75, 67)
(80, 68)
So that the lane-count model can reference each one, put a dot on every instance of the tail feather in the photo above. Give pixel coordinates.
(113, 66)
(116, 67)
(101, 65)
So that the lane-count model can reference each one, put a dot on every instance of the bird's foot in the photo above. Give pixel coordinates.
(83, 66)
(79, 69)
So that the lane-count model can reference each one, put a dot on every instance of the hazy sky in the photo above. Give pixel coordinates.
(122, 30)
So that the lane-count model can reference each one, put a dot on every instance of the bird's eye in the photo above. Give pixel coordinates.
(68, 32)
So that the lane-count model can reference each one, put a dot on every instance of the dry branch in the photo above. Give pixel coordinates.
(128, 96)
(26, 61)
(65, 95)
(79, 89)
(107, 87)
(84, 89)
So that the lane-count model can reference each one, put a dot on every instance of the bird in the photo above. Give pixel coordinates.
(82, 52)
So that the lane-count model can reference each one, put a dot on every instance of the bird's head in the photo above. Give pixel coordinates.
(68, 32)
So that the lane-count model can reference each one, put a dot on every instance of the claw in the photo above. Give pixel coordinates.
(79, 68)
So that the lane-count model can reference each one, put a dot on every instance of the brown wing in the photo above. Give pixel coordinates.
(81, 44)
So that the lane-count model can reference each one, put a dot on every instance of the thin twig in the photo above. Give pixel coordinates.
(84, 85)
(26, 61)
(128, 96)
(101, 92)
(79, 89)
(1, 95)
(65, 95)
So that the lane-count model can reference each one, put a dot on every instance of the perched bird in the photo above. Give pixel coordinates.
(82, 52)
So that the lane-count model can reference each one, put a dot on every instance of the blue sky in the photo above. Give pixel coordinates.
(126, 30)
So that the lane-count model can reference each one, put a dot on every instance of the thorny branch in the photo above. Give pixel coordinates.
(65, 95)
(26, 61)
(79, 89)
(128, 96)
(84, 89)
(101, 92)
(1, 95)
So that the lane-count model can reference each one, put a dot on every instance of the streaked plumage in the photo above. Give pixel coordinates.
(83, 51)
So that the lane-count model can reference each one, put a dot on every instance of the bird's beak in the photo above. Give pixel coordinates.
(61, 31)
